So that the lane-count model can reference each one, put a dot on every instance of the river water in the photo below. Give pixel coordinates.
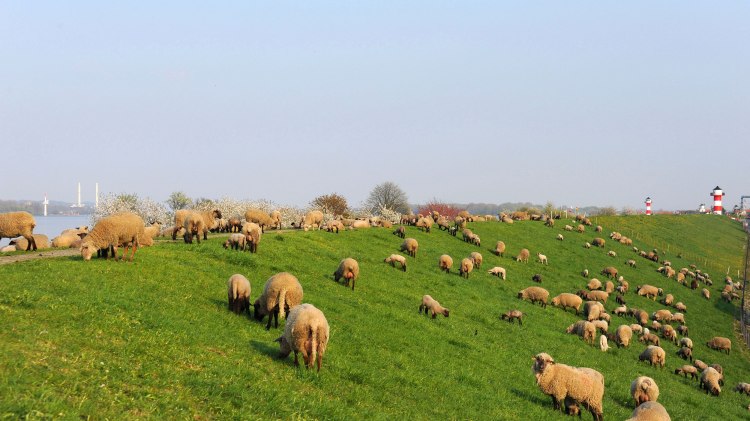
(52, 225)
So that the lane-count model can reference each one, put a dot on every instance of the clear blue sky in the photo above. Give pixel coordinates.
(580, 103)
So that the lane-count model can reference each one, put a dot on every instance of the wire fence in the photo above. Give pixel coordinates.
(745, 304)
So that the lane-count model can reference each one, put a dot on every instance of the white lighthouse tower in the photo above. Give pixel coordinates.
(717, 193)
(648, 206)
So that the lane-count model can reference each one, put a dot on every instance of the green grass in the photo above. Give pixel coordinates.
(153, 338)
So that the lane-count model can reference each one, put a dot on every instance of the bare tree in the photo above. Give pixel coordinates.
(333, 203)
(387, 195)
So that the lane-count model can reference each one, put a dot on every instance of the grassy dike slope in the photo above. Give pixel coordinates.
(153, 339)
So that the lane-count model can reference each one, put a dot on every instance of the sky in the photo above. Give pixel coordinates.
(589, 103)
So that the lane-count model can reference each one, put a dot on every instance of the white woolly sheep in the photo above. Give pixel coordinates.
(334, 226)
(603, 343)
(594, 284)
(567, 300)
(111, 232)
(400, 231)
(648, 291)
(585, 273)
(15, 224)
(706, 294)
(602, 325)
(467, 265)
(611, 253)
(587, 245)
(561, 381)
(238, 294)
(9, 248)
(500, 248)
(622, 336)
(655, 355)
(306, 331)
(686, 342)
(445, 263)
(280, 293)
(429, 303)
(349, 270)
(560, 237)
(644, 389)
(680, 306)
(523, 256)
(592, 310)
(610, 272)
(497, 271)
(650, 411)
(630, 263)
(208, 221)
(311, 220)
(534, 294)
(360, 224)
(719, 343)
(253, 234)
(598, 242)
(542, 258)
(236, 241)
(259, 217)
(396, 258)
(477, 258)
(710, 379)
(410, 246)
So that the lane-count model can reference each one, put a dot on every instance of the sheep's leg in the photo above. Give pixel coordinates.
(135, 248)
(320, 360)
(296, 360)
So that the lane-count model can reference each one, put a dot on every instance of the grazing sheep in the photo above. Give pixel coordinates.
(678, 317)
(311, 220)
(9, 248)
(594, 284)
(620, 299)
(537, 277)
(234, 224)
(602, 325)
(477, 258)
(500, 248)
(259, 217)
(603, 343)
(636, 328)
(685, 353)
(560, 237)
(306, 331)
(630, 263)
(15, 224)
(511, 315)
(623, 335)
(446, 263)
(609, 287)
(648, 291)
(568, 228)
(706, 294)
(542, 258)
(396, 258)
(682, 329)
(280, 293)
(203, 222)
(700, 365)
(238, 294)
(523, 256)
(743, 388)
(611, 253)
(534, 294)
(585, 273)
(598, 242)
(621, 310)
(655, 355)
(410, 246)
(720, 343)
(610, 272)
(650, 411)
(592, 310)
(400, 231)
(668, 300)
(111, 232)
(560, 381)
(429, 303)
(681, 307)
(349, 270)
(236, 241)
(650, 338)
(253, 233)
(587, 245)
(567, 300)
(710, 379)
(467, 265)
(641, 316)
(41, 241)
(359, 224)
(662, 315)
(334, 226)
(497, 271)
(687, 369)
(686, 342)
(644, 389)
(598, 296)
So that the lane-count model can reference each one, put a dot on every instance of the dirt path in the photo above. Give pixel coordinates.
(31, 255)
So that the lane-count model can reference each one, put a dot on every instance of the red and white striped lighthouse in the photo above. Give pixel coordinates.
(717, 194)
(648, 206)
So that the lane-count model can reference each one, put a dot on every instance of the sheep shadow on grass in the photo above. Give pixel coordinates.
(537, 399)
(270, 349)
(728, 308)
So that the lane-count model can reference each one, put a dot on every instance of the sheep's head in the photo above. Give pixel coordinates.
(446, 312)
(256, 308)
(284, 349)
(87, 250)
(542, 361)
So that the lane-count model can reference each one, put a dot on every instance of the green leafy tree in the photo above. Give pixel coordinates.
(179, 200)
